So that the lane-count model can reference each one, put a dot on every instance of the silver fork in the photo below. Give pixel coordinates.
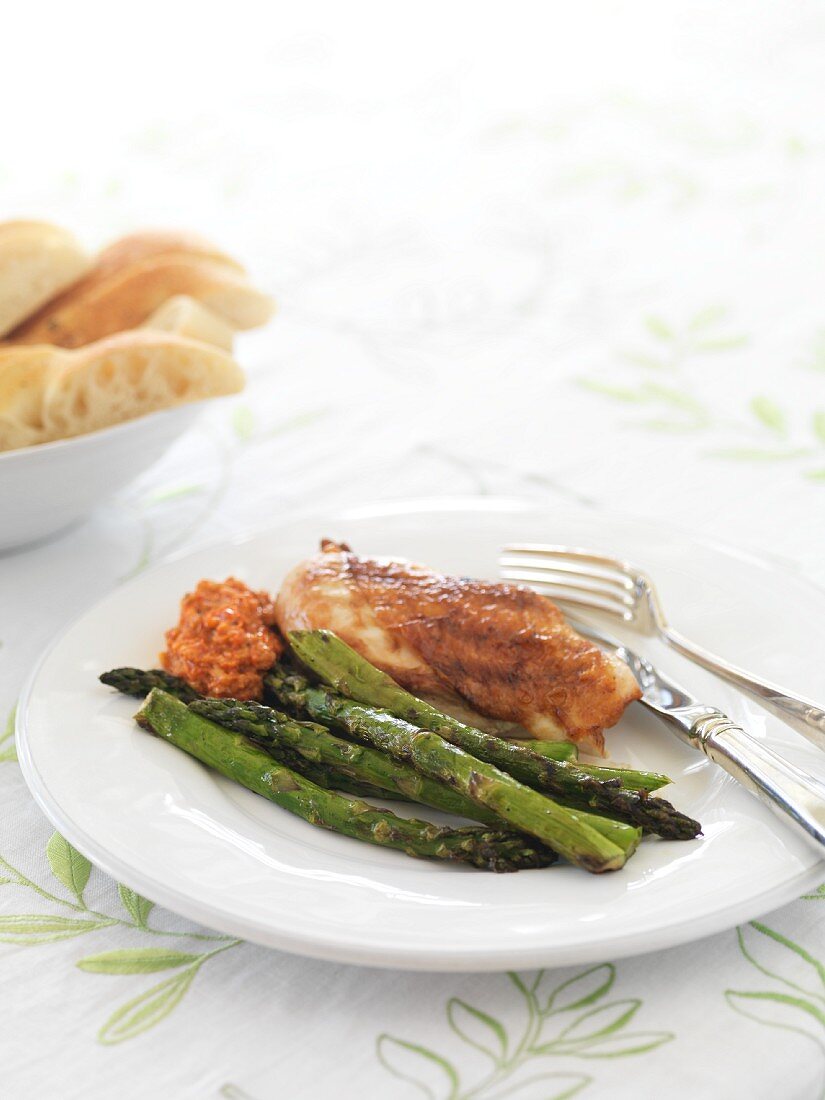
(583, 578)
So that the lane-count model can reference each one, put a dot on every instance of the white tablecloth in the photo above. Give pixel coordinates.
(568, 255)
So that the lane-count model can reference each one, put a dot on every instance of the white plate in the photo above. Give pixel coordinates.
(167, 827)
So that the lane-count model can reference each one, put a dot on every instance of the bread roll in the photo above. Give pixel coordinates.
(24, 374)
(37, 261)
(187, 317)
(136, 247)
(130, 375)
(126, 297)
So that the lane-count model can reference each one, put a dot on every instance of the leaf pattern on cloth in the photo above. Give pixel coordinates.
(72, 871)
(7, 747)
(672, 351)
(560, 1019)
(793, 998)
(68, 866)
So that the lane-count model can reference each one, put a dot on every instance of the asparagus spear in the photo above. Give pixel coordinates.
(274, 730)
(567, 831)
(329, 778)
(237, 758)
(630, 778)
(551, 750)
(139, 682)
(337, 664)
(293, 691)
(358, 762)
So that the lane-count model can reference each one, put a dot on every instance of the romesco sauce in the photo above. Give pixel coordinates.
(224, 641)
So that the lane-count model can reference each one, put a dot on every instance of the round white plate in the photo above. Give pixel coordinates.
(164, 825)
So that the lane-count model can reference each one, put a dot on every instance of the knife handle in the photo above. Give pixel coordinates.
(801, 714)
(790, 792)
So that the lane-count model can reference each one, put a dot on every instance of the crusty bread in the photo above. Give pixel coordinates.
(37, 261)
(185, 316)
(126, 297)
(136, 247)
(24, 374)
(130, 375)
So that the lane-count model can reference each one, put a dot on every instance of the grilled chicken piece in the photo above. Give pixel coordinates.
(499, 649)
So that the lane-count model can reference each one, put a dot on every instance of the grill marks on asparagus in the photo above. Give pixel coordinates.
(413, 752)
(568, 832)
(139, 682)
(236, 757)
(277, 731)
(336, 663)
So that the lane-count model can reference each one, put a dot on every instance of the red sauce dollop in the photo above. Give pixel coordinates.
(224, 641)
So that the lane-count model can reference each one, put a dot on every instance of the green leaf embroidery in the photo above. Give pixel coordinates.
(769, 414)
(477, 1028)
(243, 422)
(722, 343)
(674, 397)
(790, 965)
(788, 960)
(8, 729)
(819, 425)
(619, 393)
(815, 475)
(10, 751)
(616, 1046)
(582, 989)
(173, 492)
(32, 929)
(659, 328)
(147, 1010)
(296, 423)
(136, 960)
(68, 866)
(597, 1033)
(819, 893)
(707, 318)
(135, 905)
(808, 1007)
(433, 1075)
(597, 1022)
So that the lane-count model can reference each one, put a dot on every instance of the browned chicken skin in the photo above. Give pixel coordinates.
(500, 650)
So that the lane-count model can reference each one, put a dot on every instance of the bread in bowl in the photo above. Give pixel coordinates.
(129, 375)
(37, 261)
(100, 306)
(186, 316)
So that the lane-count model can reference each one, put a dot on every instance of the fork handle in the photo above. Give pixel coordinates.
(801, 714)
(784, 788)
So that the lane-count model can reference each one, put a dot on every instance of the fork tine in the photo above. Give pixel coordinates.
(578, 598)
(563, 569)
(576, 553)
(596, 586)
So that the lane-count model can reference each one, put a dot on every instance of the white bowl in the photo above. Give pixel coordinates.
(46, 488)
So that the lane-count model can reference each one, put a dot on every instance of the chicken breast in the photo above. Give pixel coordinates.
(501, 650)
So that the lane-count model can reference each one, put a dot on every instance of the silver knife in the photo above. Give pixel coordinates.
(792, 794)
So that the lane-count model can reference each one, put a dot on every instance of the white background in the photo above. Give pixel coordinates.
(469, 214)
